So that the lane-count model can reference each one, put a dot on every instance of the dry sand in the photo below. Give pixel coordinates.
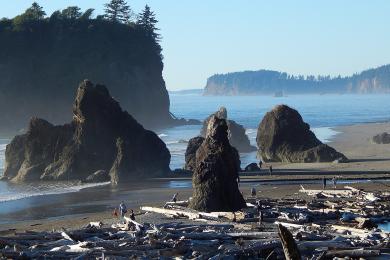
(367, 160)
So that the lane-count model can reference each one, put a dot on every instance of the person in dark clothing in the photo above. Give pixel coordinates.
(260, 164)
(270, 170)
(324, 183)
(132, 216)
(174, 198)
(253, 192)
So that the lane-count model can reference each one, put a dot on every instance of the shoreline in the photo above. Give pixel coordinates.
(368, 161)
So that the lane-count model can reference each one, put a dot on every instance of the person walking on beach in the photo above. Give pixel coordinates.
(324, 183)
(334, 180)
(253, 192)
(174, 198)
(260, 164)
(270, 170)
(122, 211)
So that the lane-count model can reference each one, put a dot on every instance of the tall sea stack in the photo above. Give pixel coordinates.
(101, 138)
(216, 172)
(283, 136)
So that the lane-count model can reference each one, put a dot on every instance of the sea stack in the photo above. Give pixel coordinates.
(102, 142)
(283, 136)
(236, 132)
(216, 171)
(190, 155)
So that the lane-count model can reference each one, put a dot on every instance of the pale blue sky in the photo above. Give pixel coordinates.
(202, 37)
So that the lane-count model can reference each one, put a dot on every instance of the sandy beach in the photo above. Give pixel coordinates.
(367, 161)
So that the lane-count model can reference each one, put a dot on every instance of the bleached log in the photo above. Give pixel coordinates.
(286, 224)
(182, 203)
(98, 224)
(312, 245)
(353, 253)
(253, 234)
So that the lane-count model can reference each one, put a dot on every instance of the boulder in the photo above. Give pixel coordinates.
(383, 138)
(216, 172)
(283, 136)
(190, 155)
(236, 132)
(101, 136)
(252, 167)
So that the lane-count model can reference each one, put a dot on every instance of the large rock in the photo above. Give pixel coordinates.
(101, 137)
(383, 138)
(283, 136)
(215, 176)
(190, 155)
(236, 132)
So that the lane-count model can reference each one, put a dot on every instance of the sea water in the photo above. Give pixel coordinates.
(322, 112)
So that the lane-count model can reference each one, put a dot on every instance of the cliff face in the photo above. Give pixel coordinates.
(102, 141)
(266, 82)
(42, 62)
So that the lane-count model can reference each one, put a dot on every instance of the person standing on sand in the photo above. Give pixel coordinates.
(253, 192)
(324, 183)
(270, 170)
(122, 211)
(260, 164)
(334, 180)
(174, 198)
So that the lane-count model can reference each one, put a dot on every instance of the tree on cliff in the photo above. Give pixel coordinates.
(147, 21)
(72, 13)
(118, 11)
(35, 12)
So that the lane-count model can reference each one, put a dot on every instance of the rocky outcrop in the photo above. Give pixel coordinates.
(190, 155)
(236, 132)
(60, 53)
(383, 138)
(216, 171)
(101, 137)
(283, 136)
(252, 167)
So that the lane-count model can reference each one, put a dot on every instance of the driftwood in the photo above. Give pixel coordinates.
(354, 253)
(290, 249)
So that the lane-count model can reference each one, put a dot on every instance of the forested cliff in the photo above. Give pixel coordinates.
(42, 59)
(270, 82)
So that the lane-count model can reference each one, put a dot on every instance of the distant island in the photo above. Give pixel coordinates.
(195, 91)
(43, 57)
(268, 82)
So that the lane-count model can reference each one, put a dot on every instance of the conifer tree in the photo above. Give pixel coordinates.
(118, 11)
(35, 12)
(147, 20)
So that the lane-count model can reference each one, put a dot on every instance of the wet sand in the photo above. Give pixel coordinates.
(368, 160)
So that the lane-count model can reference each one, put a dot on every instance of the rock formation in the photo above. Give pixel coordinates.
(383, 138)
(252, 167)
(216, 171)
(190, 155)
(283, 136)
(100, 140)
(236, 132)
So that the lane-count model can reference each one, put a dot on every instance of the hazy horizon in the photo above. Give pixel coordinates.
(301, 37)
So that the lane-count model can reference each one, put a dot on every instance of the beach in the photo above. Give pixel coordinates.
(368, 169)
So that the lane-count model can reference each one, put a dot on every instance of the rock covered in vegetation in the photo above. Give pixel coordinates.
(383, 138)
(101, 137)
(190, 155)
(43, 60)
(283, 136)
(215, 176)
(236, 132)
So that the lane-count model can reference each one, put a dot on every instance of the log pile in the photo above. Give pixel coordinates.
(341, 224)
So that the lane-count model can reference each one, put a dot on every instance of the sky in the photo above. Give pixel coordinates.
(202, 38)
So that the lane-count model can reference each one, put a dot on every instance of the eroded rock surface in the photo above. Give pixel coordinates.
(283, 136)
(216, 172)
(236, 132)
(101, 137)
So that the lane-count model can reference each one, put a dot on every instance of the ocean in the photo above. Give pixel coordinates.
(322, 112)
